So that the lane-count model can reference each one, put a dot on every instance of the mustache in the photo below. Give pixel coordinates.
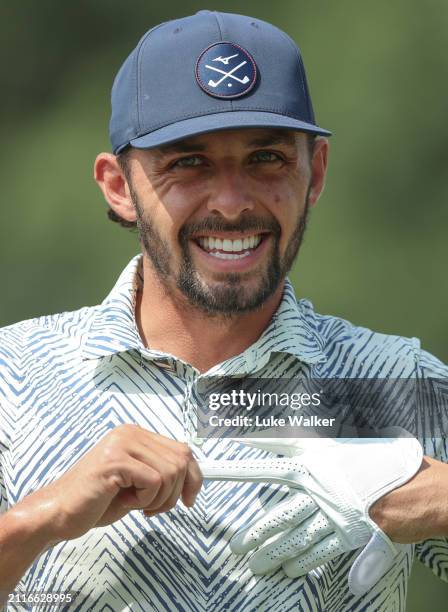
(216, 224)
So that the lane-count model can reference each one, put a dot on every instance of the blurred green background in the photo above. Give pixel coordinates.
(376, 249)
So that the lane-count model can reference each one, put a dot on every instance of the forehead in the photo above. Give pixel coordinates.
(244, 137)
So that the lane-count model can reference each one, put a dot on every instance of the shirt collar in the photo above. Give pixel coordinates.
(292, 330)
(113, 329)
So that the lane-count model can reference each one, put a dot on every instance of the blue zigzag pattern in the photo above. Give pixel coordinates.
(67, 379)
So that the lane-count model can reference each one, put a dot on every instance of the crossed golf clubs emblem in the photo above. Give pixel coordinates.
(227, 75)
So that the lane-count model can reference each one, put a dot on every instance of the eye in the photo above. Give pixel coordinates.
(266, 156)
(188, 162)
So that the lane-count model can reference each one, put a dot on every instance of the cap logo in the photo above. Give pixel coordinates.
(226, 70)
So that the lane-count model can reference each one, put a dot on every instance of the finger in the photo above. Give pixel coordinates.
(170, 466)
(192, 484)
(151, 439)
(139, 483)
(283, 517)
(135, 499)
(288, 472)
(181, 453)
(322, 552)
(167, 504)
(188, 486)
(290, 544)
(373, 561)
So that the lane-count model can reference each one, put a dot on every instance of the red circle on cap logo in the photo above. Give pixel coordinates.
(226, 70)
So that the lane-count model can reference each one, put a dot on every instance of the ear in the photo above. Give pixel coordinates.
(318, 168)
(112, 182)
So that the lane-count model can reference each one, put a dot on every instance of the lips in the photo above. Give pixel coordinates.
(226, 260)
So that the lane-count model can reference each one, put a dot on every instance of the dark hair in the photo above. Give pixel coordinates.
(310, 141)
(123, 161)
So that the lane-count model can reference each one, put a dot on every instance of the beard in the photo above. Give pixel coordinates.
(228, 297)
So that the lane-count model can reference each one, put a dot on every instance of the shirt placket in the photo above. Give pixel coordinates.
(190, 415)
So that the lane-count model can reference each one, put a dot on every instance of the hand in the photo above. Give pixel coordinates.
(333, 484)
(129, 468)
(417, 510)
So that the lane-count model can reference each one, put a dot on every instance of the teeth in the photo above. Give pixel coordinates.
(221, 255)
(209, 243)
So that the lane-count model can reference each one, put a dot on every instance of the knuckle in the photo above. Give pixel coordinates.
(126, 429)
(181, 463)
(186, 452)
(152, 436)
(171, 474)
(114, 436)
(110, 454)
(121, 434)
(156, 480)
(144, 497)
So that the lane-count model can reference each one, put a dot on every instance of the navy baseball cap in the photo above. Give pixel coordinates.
(210, 71)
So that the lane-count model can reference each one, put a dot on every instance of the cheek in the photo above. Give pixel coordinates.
(287, 205)
(161, 196)
(176, 204)
(284, 192)
(167, 214)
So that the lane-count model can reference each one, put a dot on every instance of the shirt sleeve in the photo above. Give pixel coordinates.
(3, 499)
(9, 388)
(433, 375)
(6, 424)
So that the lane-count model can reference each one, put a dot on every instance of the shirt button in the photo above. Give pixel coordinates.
(166, 365)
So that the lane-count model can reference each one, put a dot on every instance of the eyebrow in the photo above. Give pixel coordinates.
(275, 137)
(183, 146)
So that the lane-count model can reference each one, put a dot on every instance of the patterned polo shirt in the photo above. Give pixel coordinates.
(68, 379)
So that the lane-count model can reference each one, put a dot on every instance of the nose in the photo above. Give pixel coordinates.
(230, 196)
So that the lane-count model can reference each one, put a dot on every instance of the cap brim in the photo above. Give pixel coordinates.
(222, 121)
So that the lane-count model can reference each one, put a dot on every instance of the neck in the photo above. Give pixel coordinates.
(169, 323)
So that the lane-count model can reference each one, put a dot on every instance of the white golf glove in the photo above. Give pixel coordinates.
(333, 484)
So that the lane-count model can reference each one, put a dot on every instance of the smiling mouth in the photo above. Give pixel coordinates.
(227, 248)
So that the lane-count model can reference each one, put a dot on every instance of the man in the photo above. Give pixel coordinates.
(217, 159)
